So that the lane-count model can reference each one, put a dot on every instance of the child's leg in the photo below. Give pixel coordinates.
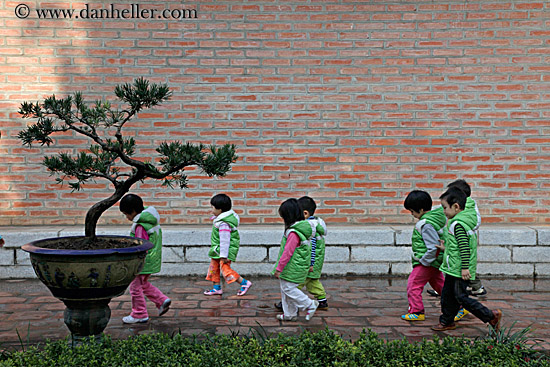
(139, 307)
(437, 279)
(296, 296)
(471, 304)
(229, 274)
(449, 303)
(214, 277)
(289, 306)
(476, 288)
(315, 287)
(420, 275)
(153, 293)
(214, 271)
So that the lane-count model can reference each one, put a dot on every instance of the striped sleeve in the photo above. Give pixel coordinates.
(313, 248)
(463, 246)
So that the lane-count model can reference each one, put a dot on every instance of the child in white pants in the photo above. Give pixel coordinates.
(293, 262)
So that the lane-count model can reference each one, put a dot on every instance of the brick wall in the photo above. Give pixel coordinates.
(354, 103)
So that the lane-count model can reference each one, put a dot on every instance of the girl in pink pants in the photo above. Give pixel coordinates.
(146, 225)
(426, 257)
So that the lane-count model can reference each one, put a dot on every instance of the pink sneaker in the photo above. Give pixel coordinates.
(244, 288)
(213, 292)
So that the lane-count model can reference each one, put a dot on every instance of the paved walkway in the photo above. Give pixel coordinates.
(28, 309)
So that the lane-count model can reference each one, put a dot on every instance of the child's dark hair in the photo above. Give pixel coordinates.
(307, 203)
(462, 185)
(454, 195)
(417, 200)
(291, 212)
(131, 203)
(221, 201)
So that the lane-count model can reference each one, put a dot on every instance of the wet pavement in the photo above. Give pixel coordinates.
(30, 315)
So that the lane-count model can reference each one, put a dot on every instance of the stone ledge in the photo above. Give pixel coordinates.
(394, 235)
(520, 251)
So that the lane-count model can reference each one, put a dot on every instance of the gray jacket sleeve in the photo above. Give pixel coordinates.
(431, 238)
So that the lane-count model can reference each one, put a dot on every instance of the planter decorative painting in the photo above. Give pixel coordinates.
(86, 280)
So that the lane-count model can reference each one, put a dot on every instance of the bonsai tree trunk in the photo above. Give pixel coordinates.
(95, 212)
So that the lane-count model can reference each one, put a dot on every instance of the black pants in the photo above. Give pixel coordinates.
(454, 296)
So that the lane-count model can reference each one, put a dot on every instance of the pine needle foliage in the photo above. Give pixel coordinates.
(110, 155)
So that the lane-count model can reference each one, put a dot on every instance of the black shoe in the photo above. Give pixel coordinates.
(433, 293)
(279, 306)
(323, 305)
(478, 292)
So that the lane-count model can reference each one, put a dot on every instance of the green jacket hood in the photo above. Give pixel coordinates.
(149, 219)
(320, 226)
(229, 217)
(471, 205)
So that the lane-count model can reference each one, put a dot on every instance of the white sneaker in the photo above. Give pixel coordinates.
(165, 306)
(132, 320)
(311, 310)
(286, 318)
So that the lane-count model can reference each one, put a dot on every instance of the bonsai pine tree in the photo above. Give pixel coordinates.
(110, 154)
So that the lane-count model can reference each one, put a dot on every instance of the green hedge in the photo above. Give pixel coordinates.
(320, 349)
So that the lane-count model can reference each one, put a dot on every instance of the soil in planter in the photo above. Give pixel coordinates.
(84, 243)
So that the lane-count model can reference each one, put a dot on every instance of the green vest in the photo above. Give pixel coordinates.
(320, 232)
(232, 219)
(451, 257)
(471, 205)
(437, 219)
(297, 268)
(149, 219)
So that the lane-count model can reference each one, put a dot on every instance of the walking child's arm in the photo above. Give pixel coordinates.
(431, 239)
(313, 248)
(292, 242)
(225, 240)
(141, 233)
(464, 248)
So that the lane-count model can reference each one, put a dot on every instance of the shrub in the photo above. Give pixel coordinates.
(324, 348)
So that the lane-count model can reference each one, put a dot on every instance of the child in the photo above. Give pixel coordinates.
(475, 288)
(426, 257)
(293, 262)
(312, 283)
(459, 263)
(224, 246)
(146, 226)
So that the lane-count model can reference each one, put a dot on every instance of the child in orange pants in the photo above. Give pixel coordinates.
(224, 246)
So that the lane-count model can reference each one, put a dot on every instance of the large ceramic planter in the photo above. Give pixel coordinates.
(86, 280)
